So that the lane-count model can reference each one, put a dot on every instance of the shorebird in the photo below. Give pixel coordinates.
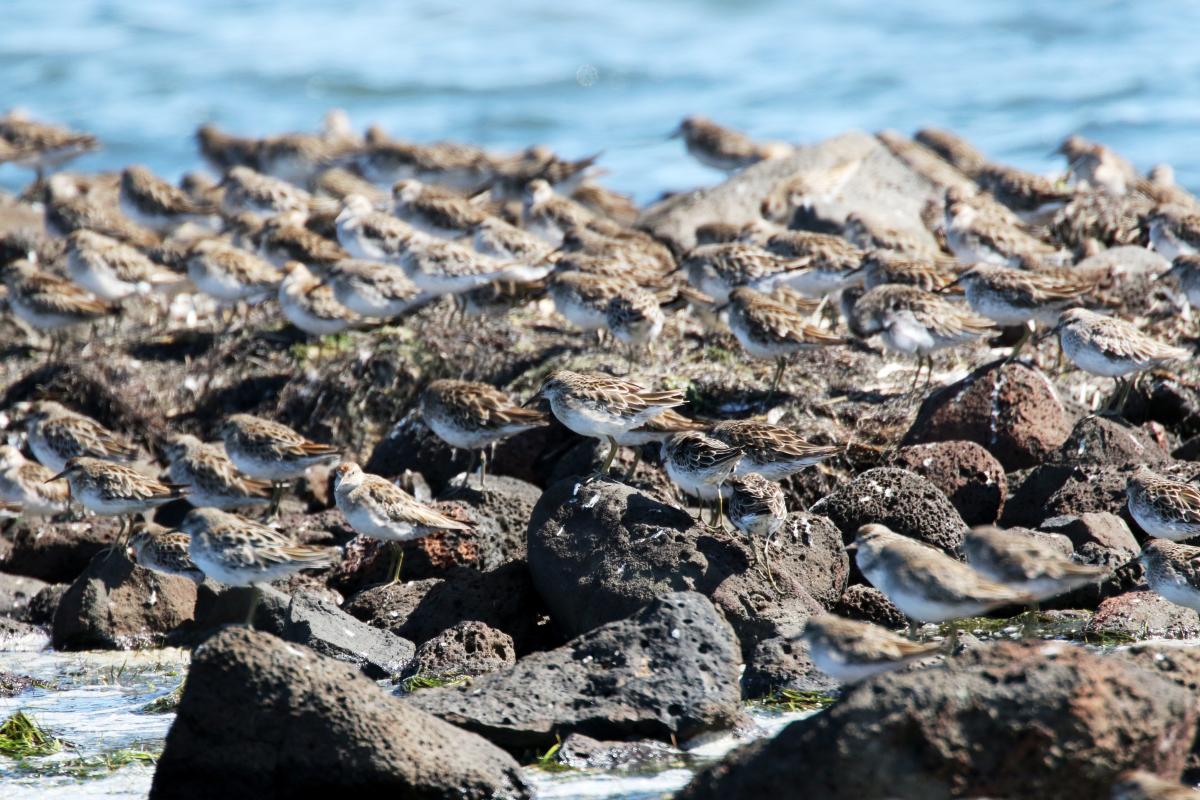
(773, 451)
(1112, 348)
(375, 507)
(1025, 563)
(250, 192)
(699, 464)
(1173, 571)
(550, 216)
(113, 270)
(1163, 507)
(211, 479)
(373, 288)
(724, 148)
(474, 416)
(115, 490)
(1031, 197)
(271, 451)
(310, 305)
(1134, 785)
(229, 274)
(48, 302)
(367, 233)
(602, 407)
(153, 203)
(974, 236)
(1092, 165)
(953, 148)
(435, 210)
(880, 267)
(56, 435)
(160, 550)
(718, 269)
(1186, 271)
(758, 509)
(768, 329)
(40, 145)
(850, 651)
(923, 582)
(1175, 231)
(30, 485)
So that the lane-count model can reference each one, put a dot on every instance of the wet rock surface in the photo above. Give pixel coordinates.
(264, 717)
(58, 552)
(1144, 615)
(970, 477)
(584, 752)
(16, 593)
(21, 637)
(668, 672)
(783, 663)
(967, 729)
(468, 648)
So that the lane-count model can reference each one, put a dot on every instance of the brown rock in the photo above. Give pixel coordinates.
(58, 552)
(468, 648)
(868, 604)
(1011, 409)
(1144, 615)
(967, 474)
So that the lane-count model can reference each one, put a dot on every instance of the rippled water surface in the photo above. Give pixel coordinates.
(612, 76)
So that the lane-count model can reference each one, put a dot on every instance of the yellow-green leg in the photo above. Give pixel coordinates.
(612, 453)
(255, 596)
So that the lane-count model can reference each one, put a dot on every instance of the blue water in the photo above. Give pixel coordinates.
(615, 75)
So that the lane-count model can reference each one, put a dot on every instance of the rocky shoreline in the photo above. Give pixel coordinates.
(598, 620)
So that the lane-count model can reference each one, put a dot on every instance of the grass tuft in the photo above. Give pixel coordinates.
(86, 767)
(416, 682)
(548, 761)
(165, 704)
(21, 737)
(793, 700)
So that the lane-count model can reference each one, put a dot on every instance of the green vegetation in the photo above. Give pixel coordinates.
(165, 704)
(86, 767)
(21, 737)
(548, 761)
(416, 682)
(792, 700)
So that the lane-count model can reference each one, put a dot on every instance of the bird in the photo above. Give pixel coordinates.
(923, 582)
(474, 416)
(768, 329)
(1032, 197)
(1025, 563)
(211, 479)
(375, 507)
(1135, 785)
(48, 302)
(1186, 271)
(230, 274)
(40, 145)
(251, 192)
(1173, 571)
(110, 489)
(30, 486)
(373, 288)
(56, 435)
(153, 203)
(718, 269)
(113, 270)
(850, 651)
(161, 550)
(699, 464)
(1174, 231)
(724, 148)
(757, 508)
(435, 210)
(310, 305)
(1091, 165)
(1112, 348)
(773, 451)
(975, 236)
(1163, 507)
(602, 407)
(271, 451)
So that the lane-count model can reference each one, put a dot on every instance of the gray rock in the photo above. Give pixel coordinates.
(1144, 615)
(783, 663)
(881, 187)
(260, 717)
(16, 592)
(868, 604)
(21, 637)
(468, 648)
(1108, 442)
(599, 551)
(584, 752)
(57, 552)
(500, 513)
(1053, 490)
(1096, 537)
(669, 672)
(970, 477)
(968, 729)
(904, 501)
(44, 605)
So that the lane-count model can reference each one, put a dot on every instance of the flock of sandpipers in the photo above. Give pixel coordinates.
(309, 219)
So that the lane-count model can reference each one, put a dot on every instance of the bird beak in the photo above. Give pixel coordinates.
(532, 401)
(57, 477)
(852, 546)
(949, 285)
(675, 134)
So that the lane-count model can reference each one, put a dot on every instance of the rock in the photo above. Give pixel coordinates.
(782, 663)
(260, 717)
(669, 672)
(16, 593)
(21, 637)
(587, 456)
(1105, 441)
(468, 648)
(117, 605)
(970, 477)
(1143, 615)
(904, 501)
(1096, 537)
(868, 604)
(12, 684)
(600, 551)
(500, 513)
(504, 599)
(1011, 409)
(44, 605)
(1036, 719)
(1180, 665)
(584, 752)
(850, 172)
(58, 552)
(1053, 490)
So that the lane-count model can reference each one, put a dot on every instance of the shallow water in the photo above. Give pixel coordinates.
(97, 705)
(613, 76)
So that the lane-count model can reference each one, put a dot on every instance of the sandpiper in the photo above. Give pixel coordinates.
(30, 485)
(115, 490)
(1134, 785)
(1164, 508)
(474, 416)
(699, 464)
(974, 236)
(160, 550)
(634, 318)
(923, 582)
(1025, 563)
(435, 210)
(113, 270)
(1186, 271)
(310, 305)
(724, 148)
(549, 215)
(718, 269)
(438, 267)
(916, 322)
(67, 210)
(1092, 165)
(768, 329)
(154, 203)
(229, 274)
(285, 238)
(952, 147)
(832, 262)
(48, 302)
(271, 451)
(385, 160)
(656, 430)
(1019, 297)
(250, 192)
(494, 237)
(367, 233)
(602, 407)
(1173, 571)
(773, 451)
(879, 267)
(373, 288)
(56, 435)
(1175, 231)
(1112, 348)
(583, 297)
(211, 479)
(850, 651)
(41, 145)
(756, 505)
(1032, 197)
(375, 507)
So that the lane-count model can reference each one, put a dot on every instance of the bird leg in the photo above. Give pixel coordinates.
(612, 453)
(767, 561)
(780, 363)
(1026, 335)
(255, 596)
(637, 459)
(916, 377)
(397, 564)
(276, 496)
